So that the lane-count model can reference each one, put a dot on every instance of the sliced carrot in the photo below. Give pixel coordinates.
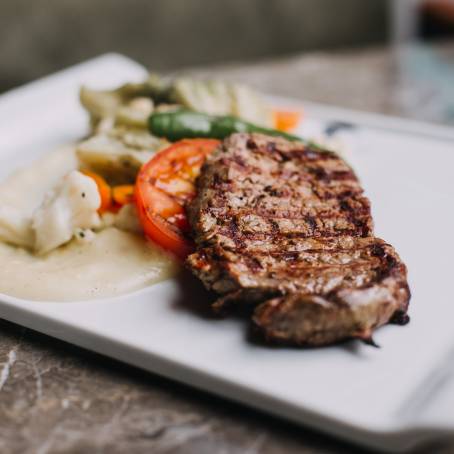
(104, 189)
(123, 194)
(286, 120)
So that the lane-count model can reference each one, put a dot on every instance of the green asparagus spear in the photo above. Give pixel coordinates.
(186, 124)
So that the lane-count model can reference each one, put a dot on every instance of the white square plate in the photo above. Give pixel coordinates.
(389, 398)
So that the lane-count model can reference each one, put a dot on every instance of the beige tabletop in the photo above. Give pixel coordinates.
(56, 398)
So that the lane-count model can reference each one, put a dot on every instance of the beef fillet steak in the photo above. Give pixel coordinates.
(285, 227)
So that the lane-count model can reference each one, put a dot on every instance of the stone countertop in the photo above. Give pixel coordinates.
(56, 398)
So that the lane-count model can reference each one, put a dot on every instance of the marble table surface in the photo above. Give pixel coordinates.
(56, 398)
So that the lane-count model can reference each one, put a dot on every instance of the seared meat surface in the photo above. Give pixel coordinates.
(286, 227)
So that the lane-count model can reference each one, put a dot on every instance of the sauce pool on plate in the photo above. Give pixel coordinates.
(113, 263)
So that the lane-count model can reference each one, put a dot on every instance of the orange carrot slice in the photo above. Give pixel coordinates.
(123, 194)
(104, 189)
(286, 120)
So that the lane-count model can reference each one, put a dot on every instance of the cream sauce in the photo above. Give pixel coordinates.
(114, 262)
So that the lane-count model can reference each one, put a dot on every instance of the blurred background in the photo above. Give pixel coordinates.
(41, 36)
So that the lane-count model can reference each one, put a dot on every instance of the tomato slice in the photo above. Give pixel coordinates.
(164, 186)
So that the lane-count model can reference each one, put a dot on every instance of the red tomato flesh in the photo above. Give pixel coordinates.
(164, 186)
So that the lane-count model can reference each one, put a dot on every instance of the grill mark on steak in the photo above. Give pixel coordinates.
(345, 209)
(321, 265)
(286, 227)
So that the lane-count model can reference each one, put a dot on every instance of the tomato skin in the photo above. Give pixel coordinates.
(157, 230)
(164, 186)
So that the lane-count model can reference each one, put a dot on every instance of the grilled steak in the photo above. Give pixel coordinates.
(286, 227)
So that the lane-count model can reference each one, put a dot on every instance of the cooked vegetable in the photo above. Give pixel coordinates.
(121, 103)
(183, 124)
(221, 98)
(100, 103)
(105, 191)
(127, 220)
(123, 194)
(131, 104)
(135, 113)
(119, 153)
(164, 185)
(286, 120)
